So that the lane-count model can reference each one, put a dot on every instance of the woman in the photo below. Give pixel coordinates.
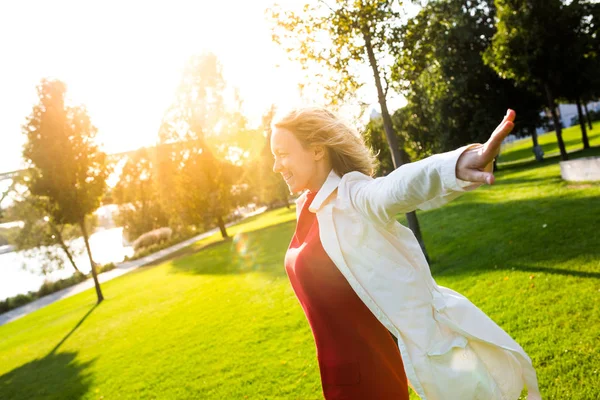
(360, 275)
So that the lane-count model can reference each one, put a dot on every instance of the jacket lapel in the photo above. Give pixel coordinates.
(329, 186)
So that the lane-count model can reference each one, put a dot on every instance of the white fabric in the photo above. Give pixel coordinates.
(451, 350)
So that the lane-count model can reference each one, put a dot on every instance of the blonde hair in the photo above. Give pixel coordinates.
(318, 126)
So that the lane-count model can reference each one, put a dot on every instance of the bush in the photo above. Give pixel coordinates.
(153, 248)
(51, 287)
(153, 237)
(105, 267)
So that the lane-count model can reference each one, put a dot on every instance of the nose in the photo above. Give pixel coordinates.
(276, 166)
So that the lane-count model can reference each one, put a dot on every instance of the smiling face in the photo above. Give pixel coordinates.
(301, 168)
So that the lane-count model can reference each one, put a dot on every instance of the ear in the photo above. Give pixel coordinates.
(319, 152)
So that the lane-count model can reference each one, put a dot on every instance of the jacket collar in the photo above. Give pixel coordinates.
(328, 187)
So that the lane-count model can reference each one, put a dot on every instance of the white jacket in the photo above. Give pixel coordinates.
(451, 350)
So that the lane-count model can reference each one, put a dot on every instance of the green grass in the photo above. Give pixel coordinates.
(220, 321)
(522, 150)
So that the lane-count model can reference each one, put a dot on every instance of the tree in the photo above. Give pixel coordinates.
(453, 97)
(526, 50)
(40, 234)
(137, 194)
(194, 173)
(66, 168)
(582, 18)
(341, 37)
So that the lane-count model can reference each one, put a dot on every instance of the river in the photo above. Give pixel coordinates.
(106, 247)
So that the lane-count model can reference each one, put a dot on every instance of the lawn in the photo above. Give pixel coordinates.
(220, 320)
(522, 150)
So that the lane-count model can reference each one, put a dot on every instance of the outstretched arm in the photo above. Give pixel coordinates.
(430, 182)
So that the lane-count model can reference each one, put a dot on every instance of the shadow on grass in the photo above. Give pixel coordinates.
(463, 238)
(537, 181)
(470, 238)
(56, 376)
(261, 250)
(200, 246)
(548, 160)
(73, 330)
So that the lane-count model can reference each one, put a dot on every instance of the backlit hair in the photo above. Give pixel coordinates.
(318, 126)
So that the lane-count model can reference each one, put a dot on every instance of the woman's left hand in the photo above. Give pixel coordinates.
(476, 164)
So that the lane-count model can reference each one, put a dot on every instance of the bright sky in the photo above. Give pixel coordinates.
(123, 60)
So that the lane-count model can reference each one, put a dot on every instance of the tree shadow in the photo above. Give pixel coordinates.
(465, 237)
(55, 376)
(533, 235)
(199, 246)
(530, 163)
(518, 181)
(261, 250)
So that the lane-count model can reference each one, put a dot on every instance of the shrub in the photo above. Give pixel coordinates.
(105, 267)
(153, 237)
(51, 287)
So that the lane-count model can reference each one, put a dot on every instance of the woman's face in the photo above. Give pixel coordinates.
(297, 165)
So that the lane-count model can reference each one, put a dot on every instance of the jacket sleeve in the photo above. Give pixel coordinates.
(424, 184)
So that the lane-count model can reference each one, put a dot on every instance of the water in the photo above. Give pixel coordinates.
(106, 247)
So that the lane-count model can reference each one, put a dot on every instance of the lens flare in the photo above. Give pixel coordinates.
(246, 255)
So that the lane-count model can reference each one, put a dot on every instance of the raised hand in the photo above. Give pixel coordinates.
(476, 163)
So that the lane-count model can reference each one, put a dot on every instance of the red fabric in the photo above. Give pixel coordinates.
(358, 358)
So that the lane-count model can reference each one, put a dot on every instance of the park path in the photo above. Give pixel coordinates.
(120, 269)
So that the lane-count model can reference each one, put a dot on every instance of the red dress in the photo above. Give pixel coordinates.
(358, 358)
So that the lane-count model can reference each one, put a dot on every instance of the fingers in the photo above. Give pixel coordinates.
(500, 133)
(479, 176)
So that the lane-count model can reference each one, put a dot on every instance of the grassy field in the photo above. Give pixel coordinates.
(522, 150)
(220, 320)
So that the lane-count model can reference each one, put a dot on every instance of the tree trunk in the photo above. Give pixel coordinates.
(222, 227)
(537, 149)
(399, 157)
(92, 264)
(63, 245)
(587, 114)
(584, 137)
(557, 125)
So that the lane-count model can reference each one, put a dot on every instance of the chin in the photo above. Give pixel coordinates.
(294, 189)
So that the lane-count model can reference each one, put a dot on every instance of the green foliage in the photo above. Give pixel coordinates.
(65, 165)
(155, 236)
(453, 97)
(525, 50)
(195, 178)
(532, 42)
(137, 194)
(328, 40)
